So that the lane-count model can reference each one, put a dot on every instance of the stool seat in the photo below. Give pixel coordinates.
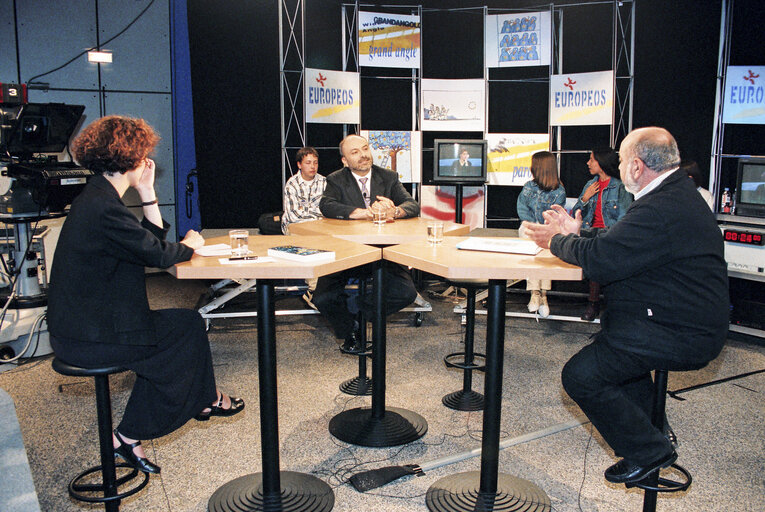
(71, 370)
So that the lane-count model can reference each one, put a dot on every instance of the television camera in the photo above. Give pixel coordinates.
(33, 137)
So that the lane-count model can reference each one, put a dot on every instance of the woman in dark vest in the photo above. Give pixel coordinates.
(98, 311)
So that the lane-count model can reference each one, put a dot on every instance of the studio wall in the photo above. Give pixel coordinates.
(236, 98)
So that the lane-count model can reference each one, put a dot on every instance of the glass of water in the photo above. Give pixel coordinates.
(435, 232)
(379, 214)
(238, 239)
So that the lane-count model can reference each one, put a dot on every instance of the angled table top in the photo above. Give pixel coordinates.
(365, 232)
(347, 255)
(447, 261)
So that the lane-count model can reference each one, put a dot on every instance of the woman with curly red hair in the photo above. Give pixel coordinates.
(98, 311)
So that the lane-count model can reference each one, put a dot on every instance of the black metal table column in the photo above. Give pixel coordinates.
(271, 490)
(488, 490)
(378, 426)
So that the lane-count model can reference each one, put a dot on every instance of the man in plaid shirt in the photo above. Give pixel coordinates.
(303, 191)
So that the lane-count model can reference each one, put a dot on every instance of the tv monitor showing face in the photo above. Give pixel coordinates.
(459, 161)
(750, 187)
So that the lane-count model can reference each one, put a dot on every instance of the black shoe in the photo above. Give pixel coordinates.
(671, 437)
(351, 345)
(125, 452)
(237, 405)
(624, 472)
(591, 312)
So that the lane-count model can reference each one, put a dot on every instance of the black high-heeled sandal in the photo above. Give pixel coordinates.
(125, 452)
(237, 405)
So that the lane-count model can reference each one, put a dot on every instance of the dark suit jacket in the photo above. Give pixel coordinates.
(664, 274)
(97, 288)
(342, 194)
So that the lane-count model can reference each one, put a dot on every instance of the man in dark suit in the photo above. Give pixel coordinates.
(665, 283)
(352, 193)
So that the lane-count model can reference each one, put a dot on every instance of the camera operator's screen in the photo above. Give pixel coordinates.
(43, 128)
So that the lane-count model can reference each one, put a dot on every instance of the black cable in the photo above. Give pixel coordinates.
(31, 80)
(584, 469)
(161, 480)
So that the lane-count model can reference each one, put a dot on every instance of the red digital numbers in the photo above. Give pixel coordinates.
(743, 237)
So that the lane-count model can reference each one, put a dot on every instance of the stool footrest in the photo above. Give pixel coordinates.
(451, 362)
(665, 484)
(76, 489)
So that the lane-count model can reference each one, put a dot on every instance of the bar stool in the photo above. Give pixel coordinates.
(654, 483)
(360, 385)
(466, 399)
(106, 491)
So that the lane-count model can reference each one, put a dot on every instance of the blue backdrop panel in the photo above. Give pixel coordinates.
(141, 55)
(8, 70)
(46, 43)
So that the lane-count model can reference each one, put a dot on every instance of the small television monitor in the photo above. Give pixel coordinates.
(750, 187)
(459, 161)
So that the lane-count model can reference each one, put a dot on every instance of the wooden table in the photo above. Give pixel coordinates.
(365, 232)
(487, 490)
(272, 489)
(378, 425)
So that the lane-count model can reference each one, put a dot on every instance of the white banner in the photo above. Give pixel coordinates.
(582, 99)
(744, 101)
(517, 40)
(510, 156)
(452, 105)
(389, 40)
(332, 96)
(397, 151)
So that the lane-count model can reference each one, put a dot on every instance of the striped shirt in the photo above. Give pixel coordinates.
(301, 199)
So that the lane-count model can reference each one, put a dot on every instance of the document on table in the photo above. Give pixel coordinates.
(214, 250)
(499, 244)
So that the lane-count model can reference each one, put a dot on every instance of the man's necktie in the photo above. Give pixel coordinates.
(364, 191)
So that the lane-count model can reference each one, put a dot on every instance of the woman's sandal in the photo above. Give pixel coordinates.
(237, 405)
(125, 452)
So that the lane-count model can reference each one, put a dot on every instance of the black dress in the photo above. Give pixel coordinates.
(98, 312)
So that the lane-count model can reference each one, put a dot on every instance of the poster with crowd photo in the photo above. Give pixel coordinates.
(452, 105)
(332, 96)
(581, 99)
(389, 40)
(518, 39)
(744, 101)
(398, 151)
(510, 156)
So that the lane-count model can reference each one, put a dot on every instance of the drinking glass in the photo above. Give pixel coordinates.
(435, 232)
(239, 239)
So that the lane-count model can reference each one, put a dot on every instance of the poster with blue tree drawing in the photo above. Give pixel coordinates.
(396, 150)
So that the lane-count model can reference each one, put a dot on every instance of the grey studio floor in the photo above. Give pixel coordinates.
(720, 427)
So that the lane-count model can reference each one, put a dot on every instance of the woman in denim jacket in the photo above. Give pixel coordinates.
(604, 200)
(537, 196)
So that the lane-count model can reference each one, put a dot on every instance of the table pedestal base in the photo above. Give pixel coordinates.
(357, 386)
(299, 493)
(459, 493)
(395, 427)
(464, 400)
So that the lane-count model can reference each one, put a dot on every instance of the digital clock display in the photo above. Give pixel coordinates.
(743, 237)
